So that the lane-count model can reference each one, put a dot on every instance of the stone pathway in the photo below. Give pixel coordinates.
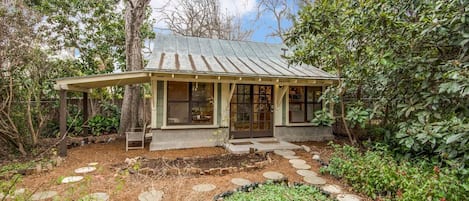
(96, 197)
(204, 187)
(273, 175)
(43, 195)
(240, 181)
(152, 195)
(71, 179)
(312, 177)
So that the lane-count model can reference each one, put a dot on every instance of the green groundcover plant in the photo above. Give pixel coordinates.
(280, 192)
(378, 174)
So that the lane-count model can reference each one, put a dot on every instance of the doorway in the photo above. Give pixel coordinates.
(251, 111)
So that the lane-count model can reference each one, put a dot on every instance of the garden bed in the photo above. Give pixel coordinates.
(203, 165)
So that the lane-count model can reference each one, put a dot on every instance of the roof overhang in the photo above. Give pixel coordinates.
(85, 83)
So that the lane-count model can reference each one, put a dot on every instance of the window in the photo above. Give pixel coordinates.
(303, 102)
(190, 103)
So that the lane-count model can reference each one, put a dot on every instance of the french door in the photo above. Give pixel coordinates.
(251, 111)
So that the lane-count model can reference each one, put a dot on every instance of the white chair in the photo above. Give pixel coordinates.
(134, 137)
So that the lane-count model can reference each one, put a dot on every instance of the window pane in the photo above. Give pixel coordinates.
(202, 113)
(202, 92)
(297, 112)
(296, 94)
(178, 91)
(178, 113)
(313, 94)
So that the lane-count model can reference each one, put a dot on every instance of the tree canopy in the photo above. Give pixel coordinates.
(410, 57)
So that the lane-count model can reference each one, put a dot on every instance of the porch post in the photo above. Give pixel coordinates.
(85, 113)
(63, 123)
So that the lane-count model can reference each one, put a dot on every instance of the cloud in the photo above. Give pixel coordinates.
(238, 8)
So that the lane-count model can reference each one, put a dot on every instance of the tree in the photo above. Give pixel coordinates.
(135, 14)
(203, 18)
(411, 57)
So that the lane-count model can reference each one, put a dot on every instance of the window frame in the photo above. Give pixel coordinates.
(304, 102)
(191, 104)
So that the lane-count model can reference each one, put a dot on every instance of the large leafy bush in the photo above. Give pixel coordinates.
(377, 174)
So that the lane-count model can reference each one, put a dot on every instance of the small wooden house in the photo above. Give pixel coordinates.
(204, 90)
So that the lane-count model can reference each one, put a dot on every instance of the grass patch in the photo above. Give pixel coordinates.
(280, 192)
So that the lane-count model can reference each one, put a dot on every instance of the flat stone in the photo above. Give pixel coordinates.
(297, 161)
(203, 187)
(315, 180)
(306, 148)
(43, 195)
(307, 173)
(71, 179)
(290, 157)
(284, 152)
(93, 164)
(152, 195)
(301, 166)
(316, 157)
(273, 175)
(240, 181)
(348, 197)
(2, 196)
(332, 189)
(96, 197)
(84, 170)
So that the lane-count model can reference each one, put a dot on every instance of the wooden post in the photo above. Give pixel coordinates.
(63, 123)
(85, 113)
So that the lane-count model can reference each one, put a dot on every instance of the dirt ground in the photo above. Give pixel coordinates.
(128, 187)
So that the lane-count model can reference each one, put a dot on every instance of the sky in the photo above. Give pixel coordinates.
(246, 10)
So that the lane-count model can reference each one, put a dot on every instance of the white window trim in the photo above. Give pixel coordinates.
(165, 110)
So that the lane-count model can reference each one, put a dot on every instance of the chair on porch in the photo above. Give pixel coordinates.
(133, 137)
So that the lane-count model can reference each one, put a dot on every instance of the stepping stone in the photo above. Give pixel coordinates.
(152, 195)
(72, 179)
(96, 197)
(290, 157)
(306, 148)
(17, 192)
(203, 187)
(273, 175)
(297, 161)
(332, 189)
(2, 196)
(84, 170)
(307, 173)
(284, 152)
(315, 180)
(43, 195)
(348, 197)
(240, 181)
(93, 164)
(316, 157)
(301, 166)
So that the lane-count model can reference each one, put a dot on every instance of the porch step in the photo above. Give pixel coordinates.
(239, 146)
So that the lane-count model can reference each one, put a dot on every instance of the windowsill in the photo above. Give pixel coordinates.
(301, 124)
(174, 127)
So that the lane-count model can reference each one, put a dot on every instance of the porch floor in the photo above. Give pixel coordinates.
(239, 146)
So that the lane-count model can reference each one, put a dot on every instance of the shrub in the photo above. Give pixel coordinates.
(377, 174)
(322, 118)
(280, 192)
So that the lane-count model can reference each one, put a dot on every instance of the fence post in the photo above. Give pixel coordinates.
(63, 123)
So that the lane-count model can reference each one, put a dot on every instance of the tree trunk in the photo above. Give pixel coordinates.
(134, 17)
(342, 104)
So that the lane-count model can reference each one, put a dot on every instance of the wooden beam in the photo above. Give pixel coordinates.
(281, 94)
(85, 114)
(63, 123)
(233, 87)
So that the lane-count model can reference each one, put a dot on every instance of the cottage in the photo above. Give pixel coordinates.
(204, 90)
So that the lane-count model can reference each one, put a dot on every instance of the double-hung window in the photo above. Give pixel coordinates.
(303, 102)
(190, 103)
